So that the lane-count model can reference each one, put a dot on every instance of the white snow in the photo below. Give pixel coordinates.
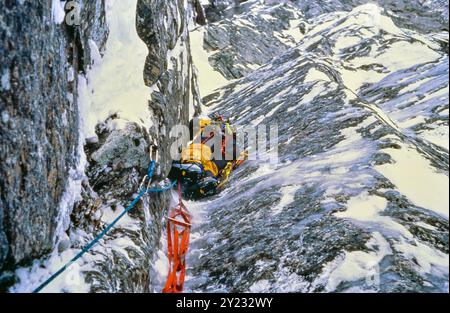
(363, 207)
(316, 91)
(314, 75)
(260, 286)
(293, 32)
(357, 265)
(70, 74)
(439, 136)
(70, 196)
(209, 79)
(428, 260)
(274, 110)
(5, 80)
(58, 13)
(393, 58)
(5, 117)
(108, 216)
(417, 180)
(115, 82)
(370, 15)
(287, 197)
(346, 42)
(344, 30)
(72, 280)
(367, 209)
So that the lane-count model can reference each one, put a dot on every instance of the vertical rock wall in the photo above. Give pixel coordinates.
(41, 58)
(39, 61)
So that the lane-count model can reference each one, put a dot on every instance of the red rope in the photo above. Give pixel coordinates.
(178, 232)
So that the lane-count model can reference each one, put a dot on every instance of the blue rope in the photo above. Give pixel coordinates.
(108, 228)
(163, 188)
(151, 169)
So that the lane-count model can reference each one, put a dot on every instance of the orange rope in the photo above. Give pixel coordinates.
(178, 232)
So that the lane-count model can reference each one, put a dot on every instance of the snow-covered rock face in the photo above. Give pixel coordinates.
(416, 99)
(132, 89)
(118, 154)
(425, 16)
(359, 199)
(39, 138)
(357, 202)
(239, 45)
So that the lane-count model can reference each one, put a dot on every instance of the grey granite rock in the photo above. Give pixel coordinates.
(119, 158)
(328, 217)
(39, 124)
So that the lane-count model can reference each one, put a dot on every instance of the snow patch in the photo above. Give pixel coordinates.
(208, 78)
(358, 265)
(287, 197)
(314, 75)
(115, 83)
(5, 80)
(417, 180)
(58, 12)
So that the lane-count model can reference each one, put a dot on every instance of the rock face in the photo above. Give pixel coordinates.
(239, 45)
(43, 178)
(117, 163)
(120, 158)
(40, 58)
(425, 16)
(358, 201)
(163, 26)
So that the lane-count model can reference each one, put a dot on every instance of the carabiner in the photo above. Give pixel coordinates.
(153, 150)
(143, 182)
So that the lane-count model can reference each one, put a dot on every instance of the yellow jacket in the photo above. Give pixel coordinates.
(200, 153)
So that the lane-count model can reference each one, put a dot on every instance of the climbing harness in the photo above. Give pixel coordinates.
(178, 232)
(142, 191)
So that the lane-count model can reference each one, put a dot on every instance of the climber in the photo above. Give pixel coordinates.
(201, 171)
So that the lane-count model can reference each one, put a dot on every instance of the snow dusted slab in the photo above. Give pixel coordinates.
(417, 99)
(241, 43)
(358, 202)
